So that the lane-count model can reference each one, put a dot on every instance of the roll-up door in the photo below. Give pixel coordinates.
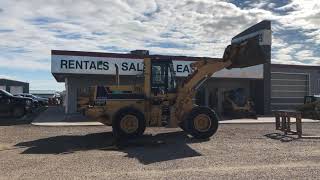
(288, 89)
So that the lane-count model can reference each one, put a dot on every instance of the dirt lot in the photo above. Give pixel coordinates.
(235, 152)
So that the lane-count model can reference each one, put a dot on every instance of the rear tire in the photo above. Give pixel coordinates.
(18, 112)
(201, 122)
(128, 123)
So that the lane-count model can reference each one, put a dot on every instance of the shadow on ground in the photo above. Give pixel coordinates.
(281, 137)
(147, 149)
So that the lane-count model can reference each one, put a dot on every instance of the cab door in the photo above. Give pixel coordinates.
(159, 78)
(163, 77)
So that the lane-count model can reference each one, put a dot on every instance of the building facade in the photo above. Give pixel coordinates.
(80, 70)
(13, 86)
(290, 83)
(270, 86)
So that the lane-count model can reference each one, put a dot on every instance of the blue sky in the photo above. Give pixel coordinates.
(30, 29)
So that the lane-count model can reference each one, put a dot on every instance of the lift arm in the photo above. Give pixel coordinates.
(249, 48)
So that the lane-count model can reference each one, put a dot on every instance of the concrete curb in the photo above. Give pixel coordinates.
(67, 124)
(246, 121)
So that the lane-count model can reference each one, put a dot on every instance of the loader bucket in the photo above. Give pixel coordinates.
(251, 47)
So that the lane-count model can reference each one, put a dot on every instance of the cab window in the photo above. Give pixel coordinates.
(158, 74)
(171, 79)
(163, 77)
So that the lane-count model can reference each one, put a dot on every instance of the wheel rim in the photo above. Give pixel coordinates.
(129, 123)
(202, 123)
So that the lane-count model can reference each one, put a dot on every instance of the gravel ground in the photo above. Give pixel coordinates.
(237, 151)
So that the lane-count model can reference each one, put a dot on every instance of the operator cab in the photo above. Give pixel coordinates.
(163, 79)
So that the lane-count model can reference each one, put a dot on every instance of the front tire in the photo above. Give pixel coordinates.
(128, 123)
(201, 122)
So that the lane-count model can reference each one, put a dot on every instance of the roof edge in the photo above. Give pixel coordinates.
(296, 65)
(125, 55)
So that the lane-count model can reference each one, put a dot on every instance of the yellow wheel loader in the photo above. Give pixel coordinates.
(158, 101)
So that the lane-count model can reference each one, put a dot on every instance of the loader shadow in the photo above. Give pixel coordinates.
(147, 149)
(280, 137)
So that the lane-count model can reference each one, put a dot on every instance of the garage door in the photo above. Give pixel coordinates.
(288, 90)
(16, 89)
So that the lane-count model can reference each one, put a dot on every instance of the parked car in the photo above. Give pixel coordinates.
(41, 101)
(14, 105)
(34, 101)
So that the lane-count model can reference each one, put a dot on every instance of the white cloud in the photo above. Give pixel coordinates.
(49, 84)
(197, 25)
(304, 54)
(187, 27)
(3, 76)
(305, 15)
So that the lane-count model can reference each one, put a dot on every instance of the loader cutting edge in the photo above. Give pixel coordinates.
(251, 47)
